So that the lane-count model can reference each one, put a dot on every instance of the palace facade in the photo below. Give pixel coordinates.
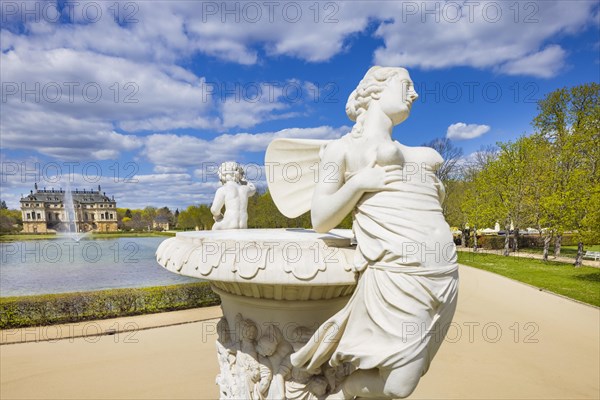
(48, 211)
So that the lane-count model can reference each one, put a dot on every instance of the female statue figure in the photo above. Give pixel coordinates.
(405, 258)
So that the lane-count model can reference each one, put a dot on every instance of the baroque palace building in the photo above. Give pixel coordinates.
(47, 211)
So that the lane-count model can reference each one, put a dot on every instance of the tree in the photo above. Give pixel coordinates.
(449, 171)
(538, 189)
(10, 220)
(511, 172)
(473, 210)
(569, 119)
(478, 205)
(3, 205)
(149, 213)
(451, 155)
(194, 217)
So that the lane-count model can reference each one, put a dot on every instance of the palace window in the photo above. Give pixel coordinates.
(28, 216)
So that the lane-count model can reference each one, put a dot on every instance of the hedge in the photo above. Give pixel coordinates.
(19, 312)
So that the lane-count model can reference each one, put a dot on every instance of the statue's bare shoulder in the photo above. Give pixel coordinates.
(334, 153)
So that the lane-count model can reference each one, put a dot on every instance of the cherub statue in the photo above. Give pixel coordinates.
(233, 194)
(277, 350)
(247, 367)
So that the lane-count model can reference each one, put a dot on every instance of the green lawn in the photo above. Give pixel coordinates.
(581, 284)
(105, 235)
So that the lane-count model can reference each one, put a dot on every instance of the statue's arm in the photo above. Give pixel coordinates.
(251, 189)
(333, 198)
(218, 203)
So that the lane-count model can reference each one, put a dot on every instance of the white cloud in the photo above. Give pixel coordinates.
(49, 109)
(544, 64)
(71, 82)
(62, 136)
(462, 131)
(261, 102)
(482, 37)
(170, 150)
(486, 34)
(66, 121)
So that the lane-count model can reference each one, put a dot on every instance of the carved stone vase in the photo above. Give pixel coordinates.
(277, 287)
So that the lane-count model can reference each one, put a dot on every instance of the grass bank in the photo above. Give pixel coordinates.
(23, 311)
(101, 235)
(581, 284)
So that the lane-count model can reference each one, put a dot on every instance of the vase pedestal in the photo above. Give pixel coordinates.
(276, 287)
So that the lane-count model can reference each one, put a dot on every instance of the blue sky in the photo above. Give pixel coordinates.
(145, 98)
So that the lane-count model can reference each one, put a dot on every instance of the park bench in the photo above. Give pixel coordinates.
(592, 254)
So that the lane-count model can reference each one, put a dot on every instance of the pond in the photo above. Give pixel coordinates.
(64, 265)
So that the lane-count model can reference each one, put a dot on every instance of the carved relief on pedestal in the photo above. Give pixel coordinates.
(255, 364)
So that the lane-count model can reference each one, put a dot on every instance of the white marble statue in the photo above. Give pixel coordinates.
(405, 299)
(234, 196)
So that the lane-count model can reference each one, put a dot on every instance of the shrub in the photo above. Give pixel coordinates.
(19, 312)
(490, 242)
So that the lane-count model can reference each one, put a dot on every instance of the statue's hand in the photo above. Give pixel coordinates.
(263, 386)
(374, 178)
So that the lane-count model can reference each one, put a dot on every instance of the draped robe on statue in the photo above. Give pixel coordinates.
(407, 289)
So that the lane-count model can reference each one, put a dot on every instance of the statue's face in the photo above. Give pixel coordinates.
(397, 98)
(266, 346)
(249, 331)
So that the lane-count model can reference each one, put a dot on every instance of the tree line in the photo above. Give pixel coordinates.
(549, 180)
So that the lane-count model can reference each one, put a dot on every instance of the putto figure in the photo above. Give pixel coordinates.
(405, 258)
(234, 196)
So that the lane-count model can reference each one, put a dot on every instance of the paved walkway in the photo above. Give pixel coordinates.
(522, 254)
(507, 341)
(112, 326)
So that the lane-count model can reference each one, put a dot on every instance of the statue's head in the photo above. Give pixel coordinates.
(249, 331)
(392, 87)
(269, 341)
(231, 171)
(267, 345)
